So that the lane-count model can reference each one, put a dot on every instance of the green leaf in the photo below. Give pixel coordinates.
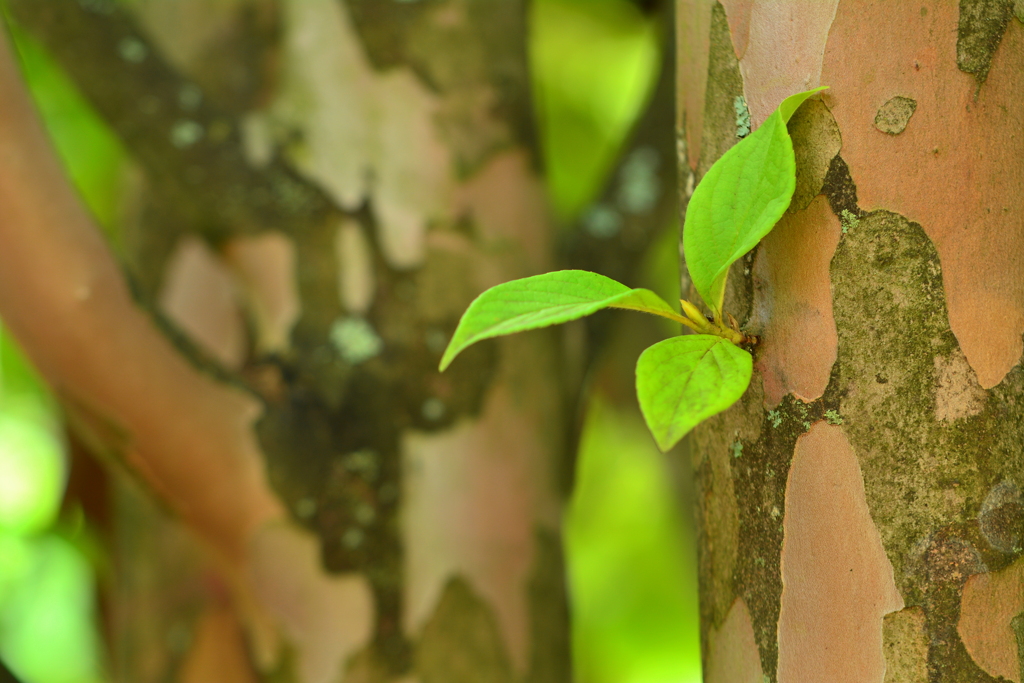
(544, 300)
(738, 202)
(684, 380)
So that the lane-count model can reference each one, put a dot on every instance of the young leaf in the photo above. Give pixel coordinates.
(684, 380)
(544, 300)
(738, 202)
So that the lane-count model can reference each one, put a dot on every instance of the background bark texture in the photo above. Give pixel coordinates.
(320, 189)
(860, 510)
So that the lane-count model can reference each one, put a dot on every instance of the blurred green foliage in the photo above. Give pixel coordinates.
(594, 64)
(632, 579)
(47, 586)
(632, 569)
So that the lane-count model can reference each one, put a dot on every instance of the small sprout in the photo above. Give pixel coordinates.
(759, 561)
(833, 417)
(739, 105)
(848, 219)
(737, 449)
(776, 512)
(807, 426)
(718, 232)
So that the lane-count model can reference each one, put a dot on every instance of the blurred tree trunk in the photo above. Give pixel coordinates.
(323, 187)
(860, 510)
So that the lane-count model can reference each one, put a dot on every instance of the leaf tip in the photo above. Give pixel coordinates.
(447, 358)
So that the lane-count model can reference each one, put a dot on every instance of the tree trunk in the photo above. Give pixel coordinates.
(860, 510)
(326, 186)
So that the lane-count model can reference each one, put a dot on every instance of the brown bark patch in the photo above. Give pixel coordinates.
(990, 602)
(733, 655)
(905, 639)
(218, 652)
(793, 304)
(739, 12)
(693, 24)
(324, 618)
(837, 581)
(964, 145)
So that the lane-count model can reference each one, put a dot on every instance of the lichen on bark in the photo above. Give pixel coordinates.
(927, 472)
(979, 32)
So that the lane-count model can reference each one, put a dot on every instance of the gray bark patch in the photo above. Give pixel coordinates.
(462, 642)
(816, 141)
(979, 32)
(549, 613)
(725, 85)
(893, 116)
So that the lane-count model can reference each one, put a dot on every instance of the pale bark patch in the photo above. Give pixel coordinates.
(357, 281)
(906, 646)
(508, 206)
(733, 656)
(265, 269)
(785, 51)
(837, 581)
(199, 296)
(470, 495)
(989, 603)
(793, 303)
(957, 392)
(365, 134)
(218, 652)
(964, 144)
(324, 618)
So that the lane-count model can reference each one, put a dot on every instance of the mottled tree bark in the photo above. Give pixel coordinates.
(860, 510)
(326, 186)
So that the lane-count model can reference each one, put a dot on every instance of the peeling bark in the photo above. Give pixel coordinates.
(887, 303)
(311, 256)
